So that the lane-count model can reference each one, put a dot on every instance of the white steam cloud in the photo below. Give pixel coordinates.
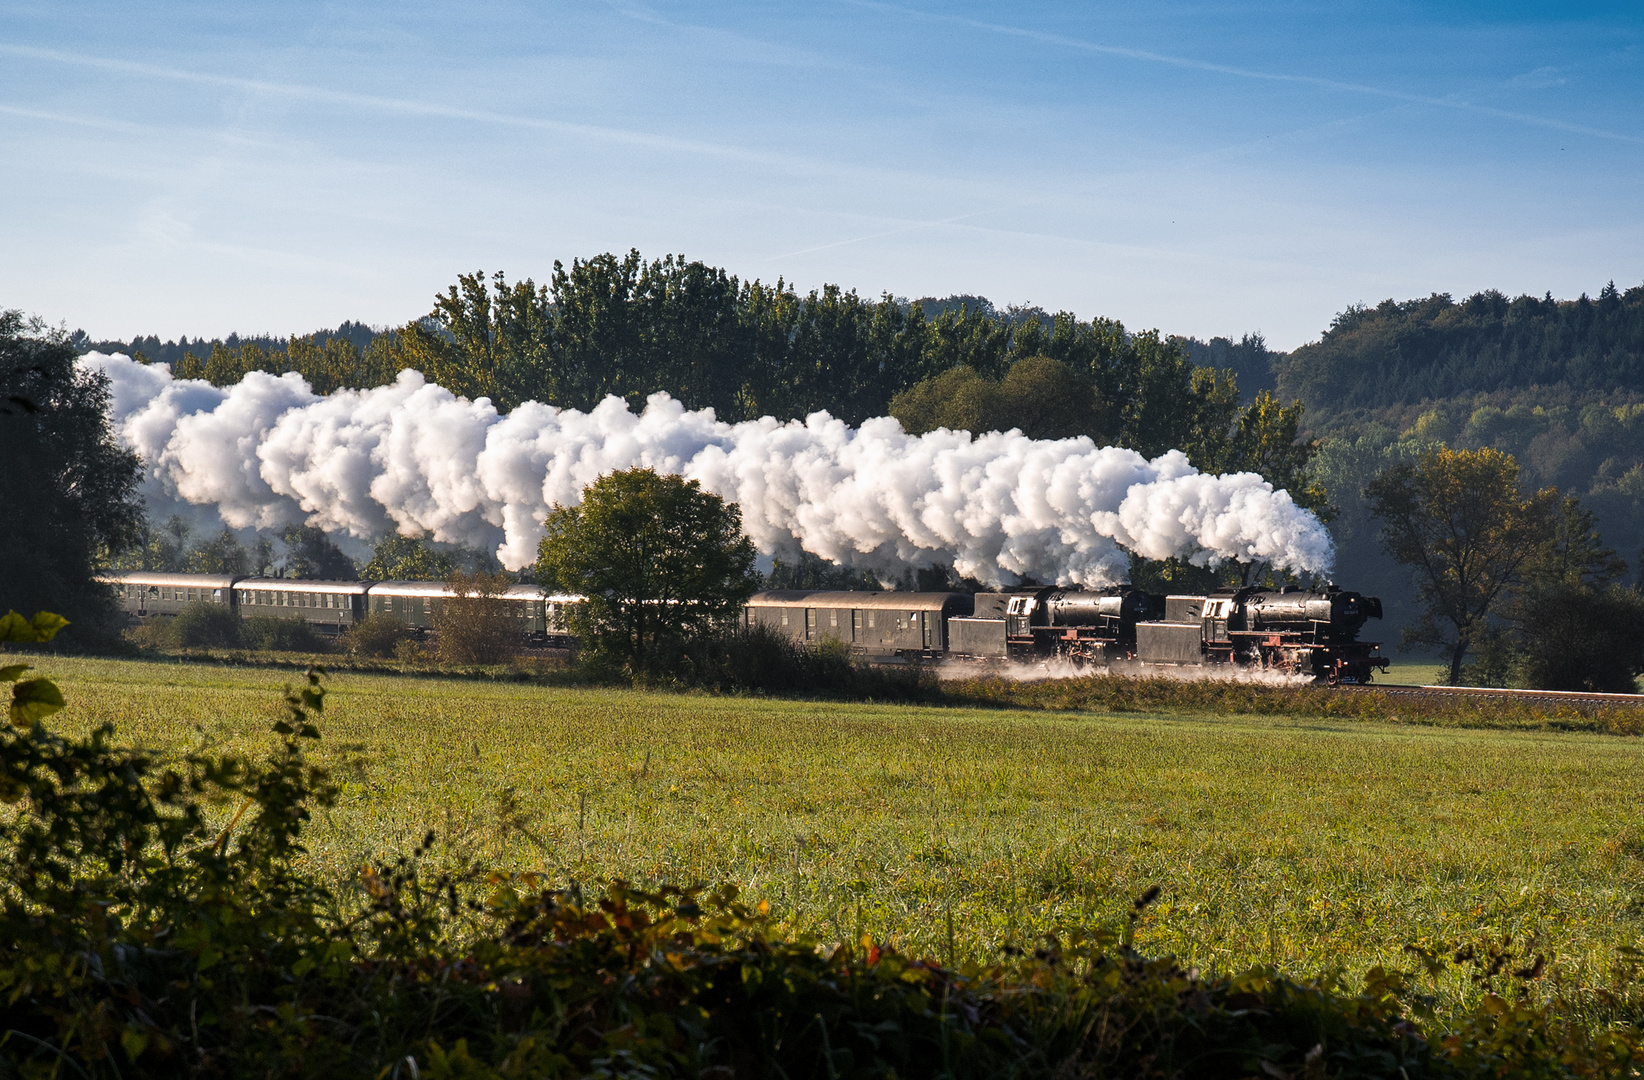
(415, 458)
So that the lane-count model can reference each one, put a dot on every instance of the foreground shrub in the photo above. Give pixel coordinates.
(205, 626)
(475, 626)
(155, 921)
(280, 635)
(375, 635)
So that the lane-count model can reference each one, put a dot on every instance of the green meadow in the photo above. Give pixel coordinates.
(1305, 843)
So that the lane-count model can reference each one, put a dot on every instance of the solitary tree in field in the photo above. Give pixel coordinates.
(657, 558)
(1459, 521)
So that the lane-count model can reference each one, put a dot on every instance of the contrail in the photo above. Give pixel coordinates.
(1082, 45)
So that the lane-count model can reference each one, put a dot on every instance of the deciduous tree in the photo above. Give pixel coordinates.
(1458, 519)
(69, 491)
(1577, 628)
(657, 558)
(406, 558)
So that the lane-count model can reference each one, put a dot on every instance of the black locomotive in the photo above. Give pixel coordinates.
(1307, 632)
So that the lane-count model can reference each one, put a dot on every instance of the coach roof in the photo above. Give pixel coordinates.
(884, 601)
(187, 581)
(302, 585)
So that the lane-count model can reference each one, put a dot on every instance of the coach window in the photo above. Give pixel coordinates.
(784, 616)
(833, 618)
(870, 620)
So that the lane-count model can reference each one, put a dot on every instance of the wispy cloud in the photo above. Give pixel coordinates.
(73, 120)
(435, 110)
(1081, 45)
(1539, 79)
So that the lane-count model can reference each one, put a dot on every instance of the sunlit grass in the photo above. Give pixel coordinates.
(1303, 843)
(1414, 673)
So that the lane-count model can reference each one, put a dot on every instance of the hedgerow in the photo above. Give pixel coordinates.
(156, 921)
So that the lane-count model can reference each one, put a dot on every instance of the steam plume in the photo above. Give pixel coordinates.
(414, 458)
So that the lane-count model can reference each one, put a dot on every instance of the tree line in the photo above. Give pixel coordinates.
(1436, 348)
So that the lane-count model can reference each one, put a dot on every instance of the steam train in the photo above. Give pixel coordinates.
(1312, 632)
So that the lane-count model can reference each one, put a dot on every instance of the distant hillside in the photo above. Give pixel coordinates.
(1433, 349)
(158, 351)
(1252, 363)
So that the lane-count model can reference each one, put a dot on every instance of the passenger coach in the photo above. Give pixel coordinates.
(329, 606)
(876, 623)
(144, 594)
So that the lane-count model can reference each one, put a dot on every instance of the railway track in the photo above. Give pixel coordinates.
(1534, 697)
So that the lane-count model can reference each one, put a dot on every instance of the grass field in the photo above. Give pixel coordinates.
(1303, 843)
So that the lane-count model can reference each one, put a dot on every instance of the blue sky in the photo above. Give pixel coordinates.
(179, 168)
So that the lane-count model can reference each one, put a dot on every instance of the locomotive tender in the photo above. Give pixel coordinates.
(1311, 632)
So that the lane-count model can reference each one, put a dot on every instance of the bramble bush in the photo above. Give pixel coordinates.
(156, 921)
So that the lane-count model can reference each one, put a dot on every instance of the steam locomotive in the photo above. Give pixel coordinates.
(1312, 632)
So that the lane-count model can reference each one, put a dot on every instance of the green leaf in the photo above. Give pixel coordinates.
(33, 700)
(12, 673)
(43, 627)
(134, 1041)
(46, 625)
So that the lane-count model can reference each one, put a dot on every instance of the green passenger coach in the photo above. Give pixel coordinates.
(329, 606)
(142, 594)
